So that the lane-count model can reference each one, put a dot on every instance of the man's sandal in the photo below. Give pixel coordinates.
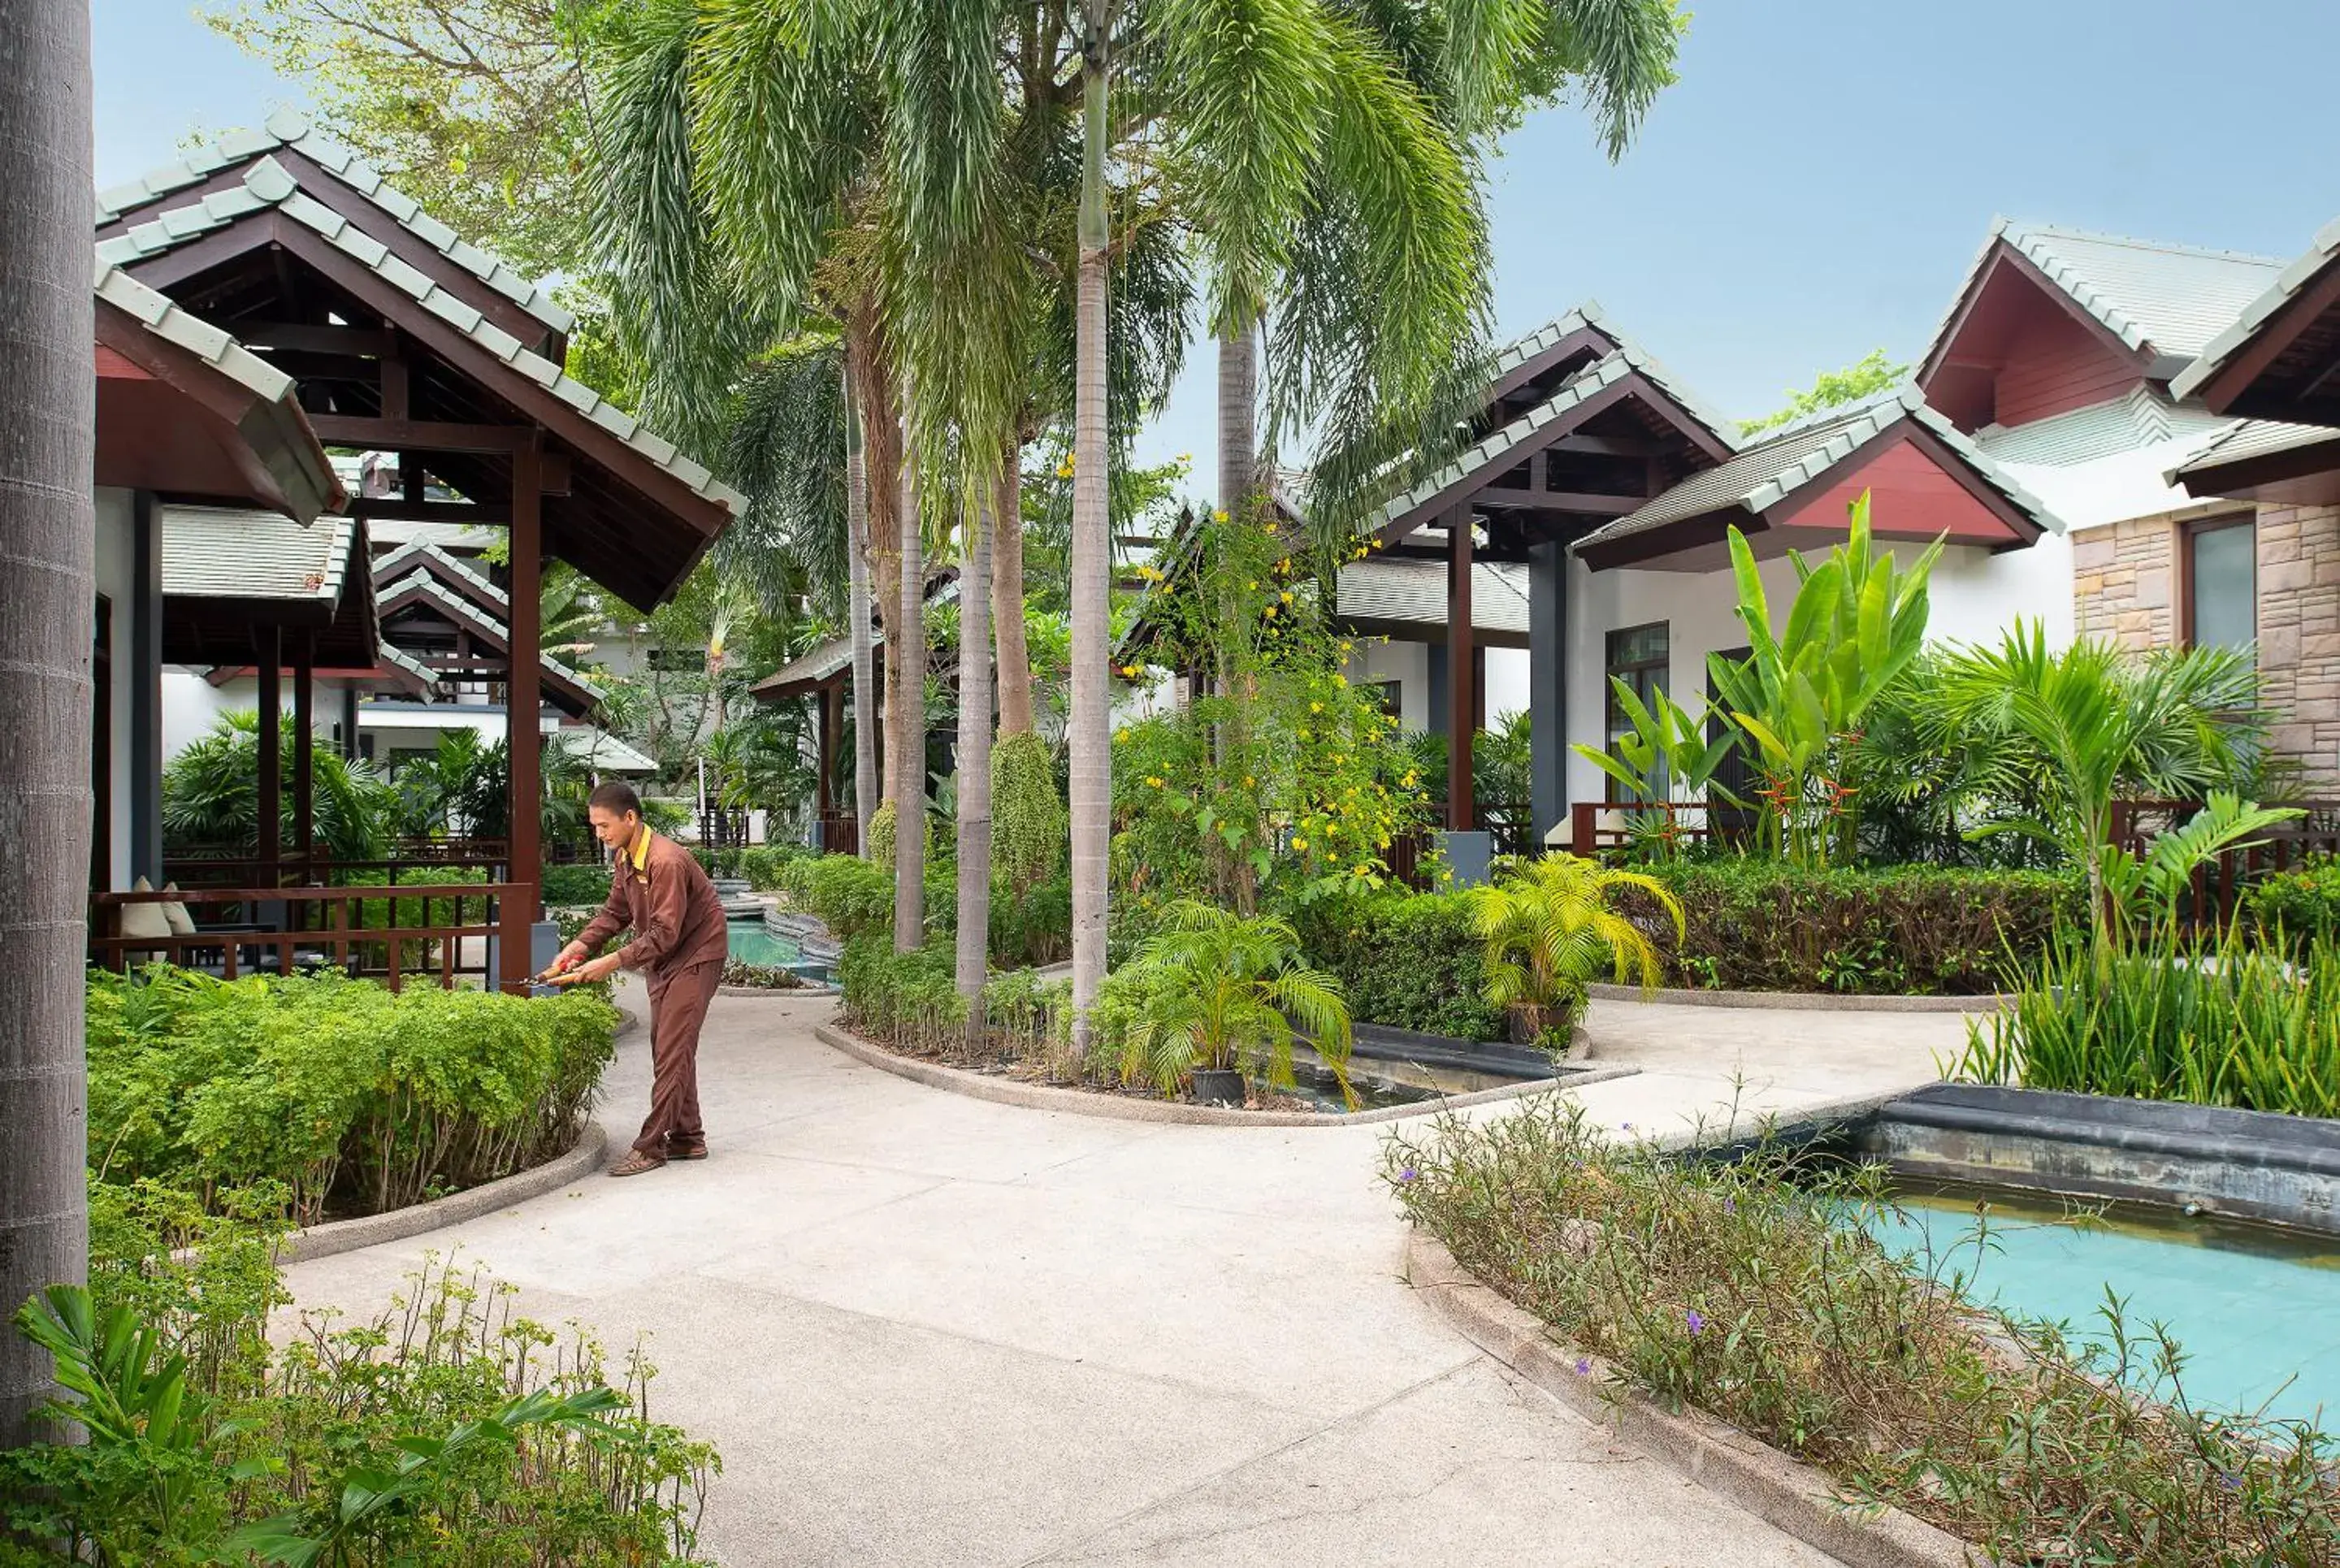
(686, 1151)
(635, 1164)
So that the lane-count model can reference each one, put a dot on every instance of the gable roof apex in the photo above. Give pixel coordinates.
(2255, 315)
(289, 129)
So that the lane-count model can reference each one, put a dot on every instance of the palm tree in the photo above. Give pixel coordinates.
(45, 527)
(1091, 791)
(974, 770)
(1548, 929)
(906, 738)
(1221, 993)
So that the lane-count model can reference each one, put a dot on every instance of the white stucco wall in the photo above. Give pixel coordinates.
(191, 705)
(116, 563)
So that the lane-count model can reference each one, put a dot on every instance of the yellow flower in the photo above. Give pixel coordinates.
(1339, 679)
(1251, 586)
(1287, 596)
(1315, 708)
(1249, 782)
(1154, 780)
(1344, 648)
(1219, 516)
(1300, 843)
(1120, 737)
(1185, 457)
(1270, 612)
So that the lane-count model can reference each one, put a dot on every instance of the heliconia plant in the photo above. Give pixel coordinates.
(1858, 620)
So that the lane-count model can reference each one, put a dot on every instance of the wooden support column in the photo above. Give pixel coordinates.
(304, 755)
(1463, 671)
(832, 702)
(1547, 689)
(522, 700)
(269, 642)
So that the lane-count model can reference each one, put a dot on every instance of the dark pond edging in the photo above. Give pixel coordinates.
(2250, 1165)
(1803, 1001)
(1380, 1043)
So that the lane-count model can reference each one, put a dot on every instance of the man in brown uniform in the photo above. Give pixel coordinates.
(658, 890)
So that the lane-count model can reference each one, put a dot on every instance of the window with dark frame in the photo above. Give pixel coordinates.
(2220, 598)
(1639, 657)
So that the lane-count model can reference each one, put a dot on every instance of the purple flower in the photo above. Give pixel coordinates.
(1731, 1206)
(1626, 1126)
(1584, 1367)
(1697, 1320)
(2231, 1482)
(1408, 1174)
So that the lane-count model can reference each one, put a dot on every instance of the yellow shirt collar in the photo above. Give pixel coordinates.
(640, 850)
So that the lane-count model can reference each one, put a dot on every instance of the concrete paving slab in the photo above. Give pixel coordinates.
(1473, 1468)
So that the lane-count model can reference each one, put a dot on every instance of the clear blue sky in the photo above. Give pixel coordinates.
(1812, 189)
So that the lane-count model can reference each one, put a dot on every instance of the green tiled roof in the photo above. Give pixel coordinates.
(1605, 372)
(2253, 315)
(412, 665)
(2154, 297)
(458, 609)
(1411, 590)
(2251, 438)
(1762, 475)
(286, 129)
(424, 556)
(240, 552)
(1591, 314)
(268, 183)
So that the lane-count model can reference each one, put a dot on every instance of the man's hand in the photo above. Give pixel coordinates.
(570, 957)
(600, 969)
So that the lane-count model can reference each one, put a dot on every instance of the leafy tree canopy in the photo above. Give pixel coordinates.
(1864, 378)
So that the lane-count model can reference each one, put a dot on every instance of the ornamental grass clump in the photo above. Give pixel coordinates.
(1752, 1290)
(2209, 1018)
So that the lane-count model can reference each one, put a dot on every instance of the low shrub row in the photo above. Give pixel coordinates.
(573, 887)
(1752, 1290)
(1757, 925)
(2300, 906)
(760, 865)
(355, 1098)
(855, 898)
(447, 1429)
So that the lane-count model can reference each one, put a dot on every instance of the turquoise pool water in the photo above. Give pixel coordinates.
(2250, 1307)
(751, 943)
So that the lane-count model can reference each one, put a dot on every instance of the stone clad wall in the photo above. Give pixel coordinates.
(2125, 587)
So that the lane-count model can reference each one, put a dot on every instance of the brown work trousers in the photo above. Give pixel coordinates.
(679, 1000)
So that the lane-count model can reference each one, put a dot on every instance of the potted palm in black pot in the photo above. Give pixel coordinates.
(1222, 996)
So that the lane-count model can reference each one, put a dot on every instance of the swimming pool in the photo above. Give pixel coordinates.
(2250, 1305)
(750, 942)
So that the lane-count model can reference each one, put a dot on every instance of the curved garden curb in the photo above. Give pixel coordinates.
(1117, 1108)
(348, 1235)
(1763, 1480)
(766, 992)
(1805, 1001)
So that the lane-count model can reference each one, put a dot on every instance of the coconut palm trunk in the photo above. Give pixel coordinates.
(46, 526)
(906, 653)
(857, 612)
(975, 772)
(1091, 729)
(1008, 597)
(1239, 419)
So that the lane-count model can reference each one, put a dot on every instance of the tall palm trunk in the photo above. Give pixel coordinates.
(1239, 418)
(857, 613)
(878, 419)
(906, 659)
(46, 397)
(1008, 597)
(1091, 740)
(974, 770)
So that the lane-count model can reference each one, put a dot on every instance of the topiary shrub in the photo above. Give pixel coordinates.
(1030, 829)
(880, 847)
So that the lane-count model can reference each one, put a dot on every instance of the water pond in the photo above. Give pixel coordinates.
(2255, 1309)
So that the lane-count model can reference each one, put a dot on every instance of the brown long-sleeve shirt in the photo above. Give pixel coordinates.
(660, 893)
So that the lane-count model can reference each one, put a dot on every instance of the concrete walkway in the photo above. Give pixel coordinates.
(929, 1330)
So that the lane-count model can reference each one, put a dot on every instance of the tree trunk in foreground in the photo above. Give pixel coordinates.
(1239, 419)
(857, 611)
(906, 652)
(1092, 723)
(47, 415)
(1014, 654)
(975, 772)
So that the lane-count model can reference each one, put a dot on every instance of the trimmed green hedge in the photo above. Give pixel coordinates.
(1770, 925)
(2304, 903)
(574, 887)
(855, 898)
(1405, 961)
(356, 1100)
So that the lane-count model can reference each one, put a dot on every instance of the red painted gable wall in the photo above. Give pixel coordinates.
(2020, 354)
(1910, 496)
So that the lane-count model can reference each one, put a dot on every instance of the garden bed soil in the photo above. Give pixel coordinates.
(1793, 1497)
(1011, 1081)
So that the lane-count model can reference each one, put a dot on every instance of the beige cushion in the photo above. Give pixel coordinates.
(144, 921)
(175, 912)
